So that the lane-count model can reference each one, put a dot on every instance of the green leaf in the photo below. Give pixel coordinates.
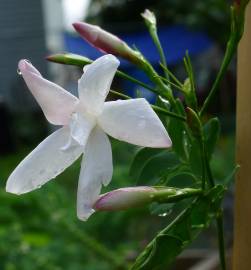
(161, 209)
(154, 167)
(170, 242)
(154, 255)
(140, 159)
(182, 180)
(211, 132)
(177, 131)
(178, 176)
(195, 158)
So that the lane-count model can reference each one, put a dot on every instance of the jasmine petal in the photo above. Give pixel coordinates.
(44, 163)
(96, 169)
(56, 103)
(95, 83)
(134, 121)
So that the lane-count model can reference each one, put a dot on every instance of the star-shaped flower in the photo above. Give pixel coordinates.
(85, 121)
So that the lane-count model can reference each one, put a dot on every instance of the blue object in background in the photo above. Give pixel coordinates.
(175, 40)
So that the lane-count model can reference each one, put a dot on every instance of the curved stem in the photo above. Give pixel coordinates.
(171, 114)
(155, 108)
(132, 79)
(157, 43)
(225, 63)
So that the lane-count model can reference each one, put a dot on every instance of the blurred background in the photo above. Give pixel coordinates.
(40, 230)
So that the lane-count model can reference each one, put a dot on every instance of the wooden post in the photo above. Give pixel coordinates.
(242, 224)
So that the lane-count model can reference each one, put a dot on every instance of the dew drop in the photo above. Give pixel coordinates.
(162, 215)
(198, 226)
(28, 61)
(142, 124)
(19, 72)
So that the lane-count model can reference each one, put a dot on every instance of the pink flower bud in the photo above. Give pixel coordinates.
(125, 198)
(106, 42)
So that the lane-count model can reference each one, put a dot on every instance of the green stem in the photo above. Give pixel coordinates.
(226, 61)
(132, 79)
(237, 26)
(171, 114)
(202, 152)
(81, 61)
(172, 84)
(173, 77)
(120, 94)
(155, 108)
(221, 240)
(157, 43)
(208, 169)
(165, 90)
(219, 219)
(166, 196)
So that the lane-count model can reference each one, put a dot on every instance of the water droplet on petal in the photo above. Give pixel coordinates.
(19, 72)
(142, 124)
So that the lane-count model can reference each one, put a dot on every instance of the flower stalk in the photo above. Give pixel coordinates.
(151, 23)
(237, 26)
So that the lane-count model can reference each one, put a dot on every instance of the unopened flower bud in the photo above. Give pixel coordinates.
(69, 59)
(125, 198)
(149, 18)
(130, 197)
(106, 42)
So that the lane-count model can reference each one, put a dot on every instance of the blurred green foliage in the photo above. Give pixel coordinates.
(40, 230)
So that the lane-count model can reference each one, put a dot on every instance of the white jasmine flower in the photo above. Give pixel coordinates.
(85, 121)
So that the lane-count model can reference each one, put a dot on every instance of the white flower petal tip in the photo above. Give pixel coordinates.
(95, 83)
(12, 188)
(43, 164)
(135, 122)
(25, 66)
(85, 213)
(56, 103)
(96, 170)
(110, 58)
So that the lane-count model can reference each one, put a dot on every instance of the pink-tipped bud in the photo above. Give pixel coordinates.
(125, 198)
(106, 42)
(131, 197)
